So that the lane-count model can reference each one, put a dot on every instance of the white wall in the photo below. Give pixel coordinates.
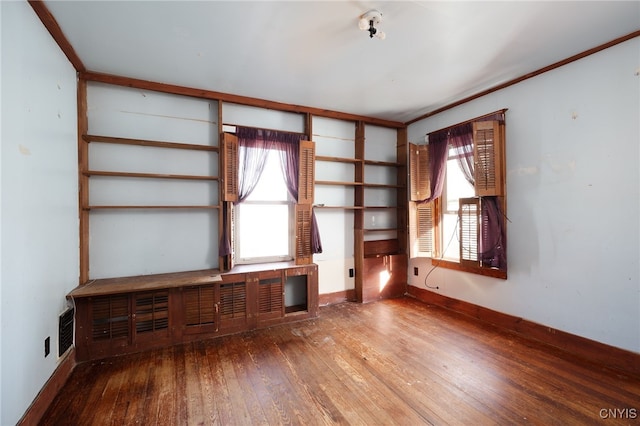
(126, 242)
(334, 138)
(39, 195)
(573, 186)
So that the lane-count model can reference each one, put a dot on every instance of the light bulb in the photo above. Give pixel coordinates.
(363, 24)
(381, 35)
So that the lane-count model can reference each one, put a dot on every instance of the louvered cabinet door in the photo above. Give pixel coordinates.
(151, 316)
(201, 309)
(104, 326)
(234, 313)
(270, 297)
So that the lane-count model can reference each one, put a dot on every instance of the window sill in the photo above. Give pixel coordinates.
(489, 272)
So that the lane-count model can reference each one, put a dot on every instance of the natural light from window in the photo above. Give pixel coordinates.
(456, 187)
(262, 220)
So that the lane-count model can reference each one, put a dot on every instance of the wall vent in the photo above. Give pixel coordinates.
(65, 331)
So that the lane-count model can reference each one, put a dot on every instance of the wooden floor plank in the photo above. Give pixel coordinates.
(392, 362)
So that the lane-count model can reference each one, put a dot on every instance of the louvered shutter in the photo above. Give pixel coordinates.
(304, 253)
(424, 238)
(200, 306)
(110, 317)
(229, 167)
(152, 311)
(488, 152)
(469, 219)
(306, 172)
(233, 300)
(419, 172)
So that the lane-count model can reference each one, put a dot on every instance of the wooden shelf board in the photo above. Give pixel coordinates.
(149, 207)
(337, 159)
(141, 142)
(381, 163)
(147, 175)
(334, 182)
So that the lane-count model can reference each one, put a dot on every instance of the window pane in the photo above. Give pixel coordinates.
(271, 186)
(456, 186)
(451, 237)
(263, 230)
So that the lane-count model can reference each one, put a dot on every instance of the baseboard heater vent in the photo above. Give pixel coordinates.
(65, 331)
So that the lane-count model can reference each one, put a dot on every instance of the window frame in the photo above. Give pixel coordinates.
(237, 218)
(438, 209)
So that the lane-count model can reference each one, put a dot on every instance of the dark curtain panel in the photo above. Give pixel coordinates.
(461, 139)
(493, 241)
(438, 149)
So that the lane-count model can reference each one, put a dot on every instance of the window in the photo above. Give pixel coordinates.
(263, 222)
(458, 202)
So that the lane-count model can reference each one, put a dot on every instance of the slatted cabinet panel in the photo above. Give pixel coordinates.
(185, 307)
(110, 317)
(201, 308)
(270, 297)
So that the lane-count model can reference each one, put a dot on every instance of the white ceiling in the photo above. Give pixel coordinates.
(312, 53)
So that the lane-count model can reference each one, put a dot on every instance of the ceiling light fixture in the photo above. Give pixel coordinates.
(367, 22)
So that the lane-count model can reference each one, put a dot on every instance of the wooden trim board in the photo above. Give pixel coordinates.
(591, 350)
(50, 389)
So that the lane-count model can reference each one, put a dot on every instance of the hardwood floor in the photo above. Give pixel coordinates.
(398, 361)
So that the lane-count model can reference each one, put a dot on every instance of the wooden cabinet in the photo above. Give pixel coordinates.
(125, 315)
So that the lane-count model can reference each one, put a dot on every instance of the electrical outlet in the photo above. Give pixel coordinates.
(415, 270)
(351, 273)
(47, 346)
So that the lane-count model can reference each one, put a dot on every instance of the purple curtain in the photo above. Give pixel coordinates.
(253, 148)
(493, 241)
(438, 149)
(461, 139)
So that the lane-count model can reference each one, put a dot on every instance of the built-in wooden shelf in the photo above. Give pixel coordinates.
(322, 206)
(380, 229)
(338, 159)
(381, 185)
(147, 175)
(142, 142)
(150, 207)
(335, 182)
(381, 163)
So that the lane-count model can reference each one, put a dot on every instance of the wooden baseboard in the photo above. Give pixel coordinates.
(609, 356)
(337, 297)
(50, 390)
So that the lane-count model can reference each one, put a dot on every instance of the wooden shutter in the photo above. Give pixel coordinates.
(229, 167)
(110, 317)
(488, 152)
(469, 219)
(424, 237)
(306, 172)
(304, 253)
(419, 172)
(152, 311)
(200, 306)
(270, 297)
(233, 300)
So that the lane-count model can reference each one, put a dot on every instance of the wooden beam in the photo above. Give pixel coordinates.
(236, 99)
(83, 181)
(56, 32)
